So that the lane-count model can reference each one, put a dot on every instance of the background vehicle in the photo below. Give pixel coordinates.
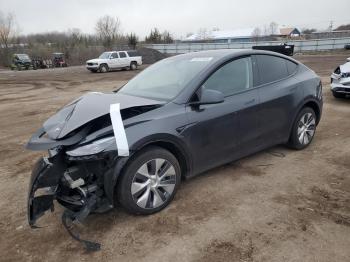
(39, 63)
(340, 80)
(58, 60)
(177, 118)
(21, 62)
(114, 60)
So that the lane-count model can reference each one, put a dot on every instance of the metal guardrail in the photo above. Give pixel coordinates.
(299, 45)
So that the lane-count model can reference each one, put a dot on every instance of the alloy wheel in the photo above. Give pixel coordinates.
(306, 128)
(154, 183)
(103, 69)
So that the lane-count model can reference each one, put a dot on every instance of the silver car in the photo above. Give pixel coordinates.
(340, 80)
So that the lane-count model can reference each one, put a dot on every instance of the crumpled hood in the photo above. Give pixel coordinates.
(87, 108)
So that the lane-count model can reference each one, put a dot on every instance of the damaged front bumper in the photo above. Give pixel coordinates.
(340, 83)
(75, 184)
(42, 188)
(78, 185)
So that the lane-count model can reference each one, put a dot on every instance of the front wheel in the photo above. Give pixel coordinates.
(104, 68)
(149, 182)
(304, 129)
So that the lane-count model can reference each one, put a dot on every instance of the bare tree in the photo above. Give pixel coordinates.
(256, 33)
(108, 30)
(266, 30)
(7, 31)
(74, 37)
(167, 37)
(154, 37)
(273, 28)
(132, 40)
(203, 34)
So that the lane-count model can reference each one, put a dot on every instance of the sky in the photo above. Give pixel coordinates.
(177, 16)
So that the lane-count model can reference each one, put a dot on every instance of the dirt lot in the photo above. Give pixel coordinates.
(278, 205)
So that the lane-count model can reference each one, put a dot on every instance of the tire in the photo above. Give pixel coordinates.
(103, 68)
(133, 66)
(140, 190)
(304, 129)
(338, 95)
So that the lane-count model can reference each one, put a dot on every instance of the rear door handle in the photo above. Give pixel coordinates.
(250, 102)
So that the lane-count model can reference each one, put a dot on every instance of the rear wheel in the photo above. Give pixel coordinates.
(149, 182)
(133, 66)
(338, 95)
(104, 68)
(304, 129)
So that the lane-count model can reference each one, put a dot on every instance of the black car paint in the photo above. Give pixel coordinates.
(201, 136)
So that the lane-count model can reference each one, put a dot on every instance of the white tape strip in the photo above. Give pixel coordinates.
(119, 131)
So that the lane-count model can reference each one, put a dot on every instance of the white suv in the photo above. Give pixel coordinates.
(113, 60)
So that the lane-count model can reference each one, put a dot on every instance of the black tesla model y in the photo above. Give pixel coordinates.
(177, 118)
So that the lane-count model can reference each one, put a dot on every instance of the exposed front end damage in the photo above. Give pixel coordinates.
(340, 79)
(76, 184)
(80, 170)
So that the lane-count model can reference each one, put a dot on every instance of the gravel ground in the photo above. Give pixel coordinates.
(277, 205)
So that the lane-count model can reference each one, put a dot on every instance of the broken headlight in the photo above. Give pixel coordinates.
(93, 148)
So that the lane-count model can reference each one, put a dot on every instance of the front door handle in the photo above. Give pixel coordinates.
(250, 102)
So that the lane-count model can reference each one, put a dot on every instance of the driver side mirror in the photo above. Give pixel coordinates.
(210, 96)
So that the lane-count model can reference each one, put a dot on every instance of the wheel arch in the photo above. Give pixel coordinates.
(133, 62)
(113, 176)
(104, 64)
(314, 105)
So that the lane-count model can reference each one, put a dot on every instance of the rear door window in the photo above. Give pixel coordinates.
(122, 54)
(271, 68)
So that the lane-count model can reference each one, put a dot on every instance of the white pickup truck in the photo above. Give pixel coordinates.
(113, 60)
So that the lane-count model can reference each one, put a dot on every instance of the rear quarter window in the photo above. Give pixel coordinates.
(271, 68)
(122, 54)
(291, 67)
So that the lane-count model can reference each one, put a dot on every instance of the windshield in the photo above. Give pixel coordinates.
(165, 79)
(104, 55)
(23, 56)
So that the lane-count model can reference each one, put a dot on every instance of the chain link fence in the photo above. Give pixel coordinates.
(299, 45)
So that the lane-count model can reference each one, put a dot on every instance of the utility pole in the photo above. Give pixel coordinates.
(330, 26)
